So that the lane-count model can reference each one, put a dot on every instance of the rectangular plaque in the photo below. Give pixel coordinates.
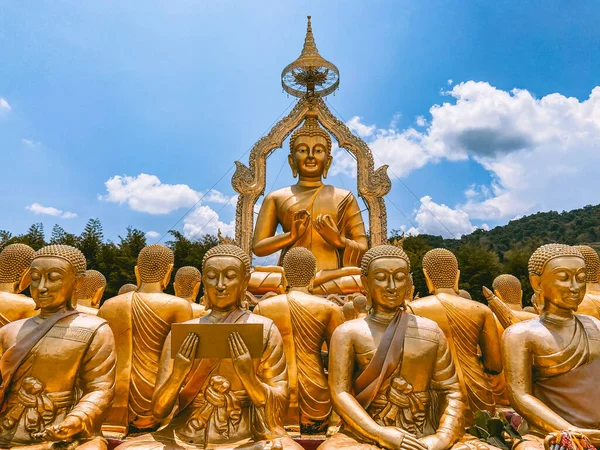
(214, 341)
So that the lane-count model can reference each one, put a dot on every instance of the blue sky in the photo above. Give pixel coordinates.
(177, 91)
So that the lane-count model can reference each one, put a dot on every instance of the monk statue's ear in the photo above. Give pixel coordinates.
(521, 297)
(24, 281)
(456, 282)
(165, 281)
(535, 281)
(293, 165)
(365, 284)
(195, 291)
(327, 166)
(428, 282)
(138, 280)
(97, 298)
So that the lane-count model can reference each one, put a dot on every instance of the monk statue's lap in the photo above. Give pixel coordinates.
(58, 368)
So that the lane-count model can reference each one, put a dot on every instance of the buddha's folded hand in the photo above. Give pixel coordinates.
(185, 357)
(64, 430)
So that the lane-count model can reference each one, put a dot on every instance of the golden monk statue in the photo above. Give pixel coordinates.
(591, 302)
(129, 287)
(468, 326)
(323, 218)
(506, 301)
(89, 295)
(141, 321)
(222, 403)
(58, 368)
(15, 260)
(552, 362)
(305, 323)
(391, 373)
(187, 285)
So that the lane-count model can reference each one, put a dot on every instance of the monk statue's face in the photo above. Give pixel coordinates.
(562, 283)
(387, 282)
(310, 157)
(225, 282)
(53, 282)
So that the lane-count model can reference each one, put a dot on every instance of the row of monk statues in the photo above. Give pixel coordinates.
(383, 370)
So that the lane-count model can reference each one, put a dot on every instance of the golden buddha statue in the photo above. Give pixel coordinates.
(464, 294)
(129, 287)
(141, 321)
(15, 261)
(89, 295)
(506, 301)
(359, 302)
(552, 362)
(222, 403)
(187, 285)
(305, 323)
(323, 218)
(468, 326)
(391, 373)
(591, 302)
(58, 368)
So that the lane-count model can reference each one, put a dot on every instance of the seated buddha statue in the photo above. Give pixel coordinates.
(58, 368)
(187, 285)
(591, 301)
(141, 321)
(89, 295)
(305, 323)
(323, 218)
(506, 301)
(238, 402)
(391, 373)
(15, 261)
(552, 362)
(468, 325)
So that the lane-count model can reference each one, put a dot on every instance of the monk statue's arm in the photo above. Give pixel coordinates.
(355, 242)
(445, 383)
(489, 342)
(336, 319)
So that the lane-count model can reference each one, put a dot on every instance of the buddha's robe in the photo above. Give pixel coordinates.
(140, 332)
(305, 322)
(408, 382)
(65, 366)
(214, 410)
(14, 307)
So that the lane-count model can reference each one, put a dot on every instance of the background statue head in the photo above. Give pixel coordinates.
(465, 294)
(15, 261)
(225, 276)
(154, 265)
(592, 262)
(349, 311)
(508, 289)
(385, 276)
(310, 150)
(129, 287)
(299, 265)
(441, 270)
(187, 283)
(557, 274)
(91, 289)
(57, 272)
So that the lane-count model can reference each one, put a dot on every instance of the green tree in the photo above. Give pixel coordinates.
(60, 236)
(90, 242)
(34, 236)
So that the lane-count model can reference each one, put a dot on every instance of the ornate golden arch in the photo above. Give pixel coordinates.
(250, 182)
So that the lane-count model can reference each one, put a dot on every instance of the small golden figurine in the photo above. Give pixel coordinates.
(222, 403)
(468, 325)
(15, 261)
(391, 373)
(305, 323)
(141, 321)
(187, 285)
(89, 295)
(591, 302)
(58, 368)
(552, 363)
(129, 287)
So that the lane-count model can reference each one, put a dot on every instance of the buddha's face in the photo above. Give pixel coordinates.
(53, 281)
(562, 283)
(311, 156)
(387, 282)
(225, 282)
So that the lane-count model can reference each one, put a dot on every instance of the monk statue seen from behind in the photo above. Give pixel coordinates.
(58, 368)
(591, 301)
(141, 321)
(391, 373)
(15, 261)
(187, 285)
(89, 295)
(506, 301)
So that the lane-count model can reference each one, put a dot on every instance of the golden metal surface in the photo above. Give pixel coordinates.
(89, 295)
(15, 262)
(187, 285)
(591, 302)
(213, 338)
(506, 300)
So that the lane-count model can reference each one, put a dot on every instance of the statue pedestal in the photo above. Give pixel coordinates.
(308, 443)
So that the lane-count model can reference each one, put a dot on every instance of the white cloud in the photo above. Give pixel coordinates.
(450, 81)
(359, 128)
(430, 214)
(4, 106)
(343, 162)
(152, 234)
(205, 220)
(36, 208)
(215, 196)
(421, 121)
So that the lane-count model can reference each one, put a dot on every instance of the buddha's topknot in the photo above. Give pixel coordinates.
(228, 250)
(15, 259)
(93, 281)
(70, 254)
(442, 267)
(311, 128)
(545, 253)
(300, 266)
(186, 278)
(154, 262)
(592, 262)
(509, 288)
(382, 251)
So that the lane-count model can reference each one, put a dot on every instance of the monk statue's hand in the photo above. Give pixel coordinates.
(396, 439)
(242, 361)
(186, 354)
(300, 221)
(64, 430)
(328, 230)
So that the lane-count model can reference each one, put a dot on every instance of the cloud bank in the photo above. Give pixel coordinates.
(36, 208)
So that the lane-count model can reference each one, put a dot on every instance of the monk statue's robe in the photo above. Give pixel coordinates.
(64, 366)
(305, 323)
(141, 323)
(408, 381)
(213, 409)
